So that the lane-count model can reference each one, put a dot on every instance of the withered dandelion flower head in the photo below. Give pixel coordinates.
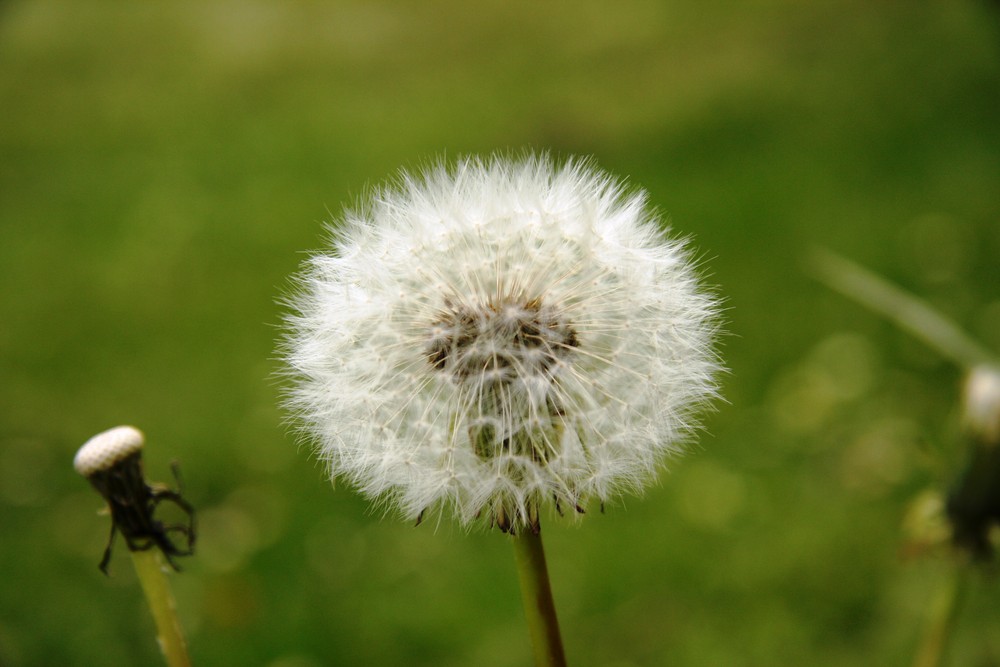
(112, 462)
(500, 336)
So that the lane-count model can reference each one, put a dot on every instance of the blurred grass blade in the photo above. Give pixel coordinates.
(906, 310)
(941, 619)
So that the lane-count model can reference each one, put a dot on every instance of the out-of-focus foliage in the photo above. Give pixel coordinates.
(164, 165)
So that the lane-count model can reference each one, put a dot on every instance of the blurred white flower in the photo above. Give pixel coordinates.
(499, 336)
(982, 403)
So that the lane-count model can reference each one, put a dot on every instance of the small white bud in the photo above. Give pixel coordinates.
(982, 403)
(106, 449)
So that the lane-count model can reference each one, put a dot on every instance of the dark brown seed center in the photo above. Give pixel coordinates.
(499, 341)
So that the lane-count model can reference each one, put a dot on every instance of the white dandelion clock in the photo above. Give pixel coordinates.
(498, 337)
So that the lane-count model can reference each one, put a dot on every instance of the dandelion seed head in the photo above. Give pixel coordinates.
(499, 336)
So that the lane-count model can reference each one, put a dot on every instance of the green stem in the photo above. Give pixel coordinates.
(539, 609)
(150, 568)
(941, 619)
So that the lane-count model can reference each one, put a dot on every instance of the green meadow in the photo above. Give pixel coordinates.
(166, 167)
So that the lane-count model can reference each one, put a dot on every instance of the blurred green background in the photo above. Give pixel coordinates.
(164, 166)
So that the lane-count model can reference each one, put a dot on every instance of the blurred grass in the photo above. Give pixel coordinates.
(164, 166)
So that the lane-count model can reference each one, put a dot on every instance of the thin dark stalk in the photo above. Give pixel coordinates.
(539, 608)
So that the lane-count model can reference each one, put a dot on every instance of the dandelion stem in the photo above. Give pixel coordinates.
(539, 609)
(941, 619)
(149, 566)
